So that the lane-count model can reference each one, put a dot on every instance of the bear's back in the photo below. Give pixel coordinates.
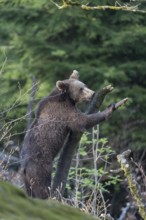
(51, 126)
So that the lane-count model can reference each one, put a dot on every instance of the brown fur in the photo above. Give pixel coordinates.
(56, 115)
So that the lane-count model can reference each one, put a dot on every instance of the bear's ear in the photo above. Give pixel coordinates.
(74, 75)
(62, 86)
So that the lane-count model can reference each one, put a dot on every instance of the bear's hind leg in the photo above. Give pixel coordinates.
(37, 180)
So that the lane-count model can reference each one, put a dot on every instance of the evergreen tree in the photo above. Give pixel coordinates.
(106, 47)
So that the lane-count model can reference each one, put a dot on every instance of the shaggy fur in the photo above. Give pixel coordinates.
(56, 115)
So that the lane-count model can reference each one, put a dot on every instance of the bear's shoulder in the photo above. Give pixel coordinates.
(55, 98)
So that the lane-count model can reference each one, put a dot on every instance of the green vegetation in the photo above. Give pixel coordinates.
(106, 47)
(133, 186)
(15, 205)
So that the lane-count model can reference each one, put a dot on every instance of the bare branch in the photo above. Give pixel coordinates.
(98, 99)
(4, 63)
(31, 102)
(120, 103)
(125, 7)
(123, 159)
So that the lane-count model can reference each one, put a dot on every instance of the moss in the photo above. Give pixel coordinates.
(15, 205)
(123, 159)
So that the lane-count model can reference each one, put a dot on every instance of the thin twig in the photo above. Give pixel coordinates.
(31, 102)
(4, 63)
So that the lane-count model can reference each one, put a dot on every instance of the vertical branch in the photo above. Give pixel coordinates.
(76, 176)
(4, 63)
(124, 211)
(64, 162)
(133, 186)
(31, 103)
(95, 140)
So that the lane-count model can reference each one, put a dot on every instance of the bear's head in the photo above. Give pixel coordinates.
(76, 89)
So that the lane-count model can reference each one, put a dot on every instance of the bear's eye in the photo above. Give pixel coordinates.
(81, 89)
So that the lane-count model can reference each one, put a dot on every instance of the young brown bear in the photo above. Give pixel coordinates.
(56, 115)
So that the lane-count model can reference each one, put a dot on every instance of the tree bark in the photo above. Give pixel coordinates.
(125, 164)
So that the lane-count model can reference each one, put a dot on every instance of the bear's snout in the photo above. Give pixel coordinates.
(88, 94)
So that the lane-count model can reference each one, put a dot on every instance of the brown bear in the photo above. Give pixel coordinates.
(56, 115)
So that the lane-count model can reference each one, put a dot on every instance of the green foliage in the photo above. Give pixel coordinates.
(15, 205)
(107, 47)
(83, 172)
